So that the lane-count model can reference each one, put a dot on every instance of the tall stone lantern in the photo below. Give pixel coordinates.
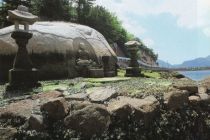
(22, 74)
(133, 69)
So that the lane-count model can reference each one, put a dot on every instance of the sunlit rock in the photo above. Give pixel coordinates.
(57, 49)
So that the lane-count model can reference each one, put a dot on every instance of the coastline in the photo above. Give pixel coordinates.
(149, 104)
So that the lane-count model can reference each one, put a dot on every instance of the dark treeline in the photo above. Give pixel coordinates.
(78, 11)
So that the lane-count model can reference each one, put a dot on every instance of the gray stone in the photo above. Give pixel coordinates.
(194, 99)
(62, 42)
(202, 89)
(90, 120)
(133, 70)
(102, 94)
(137, 103)
(47, 95)
(78, 105)
(192, 88)
(55, 109)
(7, 133)
(176, 99)
(205, 98)
(21, 16)
(78, 97)
(23, 109)
(144, 109)
(96, 73)
(36, 122)
(121, 109)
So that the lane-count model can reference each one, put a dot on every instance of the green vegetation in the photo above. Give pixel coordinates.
(151, 74)
(79, 11)
(190, 122)
(108, 80)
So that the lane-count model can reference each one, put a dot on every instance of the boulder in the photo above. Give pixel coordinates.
(23, 109)
(176, 99)
(55, 109)
(7, 133)
(20, 110)
(192, 88)
(36, 122)
(91, 120)
(205, 98)
(144, 109)
(77, 97)
(102, 94)
(122, 110)
(47, 95)
(78, 105)
(186, 84)
(202, 89)
(194, 99)
(59, 45)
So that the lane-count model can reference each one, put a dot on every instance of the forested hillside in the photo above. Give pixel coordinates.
(79, 11)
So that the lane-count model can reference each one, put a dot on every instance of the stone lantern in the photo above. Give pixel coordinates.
(22, 74)
(133, 70)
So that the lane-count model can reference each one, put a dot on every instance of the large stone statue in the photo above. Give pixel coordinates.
(57, 48)
(22, 74)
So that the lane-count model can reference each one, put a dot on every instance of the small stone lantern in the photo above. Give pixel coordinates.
(22, 74)
(133, 70)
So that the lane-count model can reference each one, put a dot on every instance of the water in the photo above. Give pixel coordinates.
(196, 75)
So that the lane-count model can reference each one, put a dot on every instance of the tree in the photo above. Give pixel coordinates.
(83, 8)
(80, 11)
(52, 9)
(10, 5)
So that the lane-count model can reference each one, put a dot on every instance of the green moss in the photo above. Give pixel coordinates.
(151, 74)
(54, 87)
(107, 80)
(120, 73)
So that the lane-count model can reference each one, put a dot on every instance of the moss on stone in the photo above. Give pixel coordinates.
(151, 74)
(107, 80)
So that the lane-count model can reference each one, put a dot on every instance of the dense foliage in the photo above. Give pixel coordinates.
(79, 11)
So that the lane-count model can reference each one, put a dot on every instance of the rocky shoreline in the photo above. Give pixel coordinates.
(167, 107)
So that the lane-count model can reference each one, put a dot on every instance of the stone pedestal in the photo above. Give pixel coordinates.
(133, 70)
(96, 73)
(107, 71)
(23, 73)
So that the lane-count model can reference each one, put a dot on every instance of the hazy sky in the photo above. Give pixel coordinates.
(177, 30)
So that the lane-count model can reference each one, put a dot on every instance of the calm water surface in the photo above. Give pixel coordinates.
(196, 75)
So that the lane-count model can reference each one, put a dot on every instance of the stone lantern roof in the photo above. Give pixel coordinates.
(21, 16)
(133, 44)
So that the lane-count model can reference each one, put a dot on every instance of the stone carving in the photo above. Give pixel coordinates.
(22, 16)
(54, 47)
(86, 60)
(23, 73)
(133, 70)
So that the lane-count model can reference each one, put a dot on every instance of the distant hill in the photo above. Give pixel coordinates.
(164, 64)
(198, 62)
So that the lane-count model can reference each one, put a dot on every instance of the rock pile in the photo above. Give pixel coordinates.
(92, 113)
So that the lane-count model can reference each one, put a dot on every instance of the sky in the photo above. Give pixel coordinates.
(178, 30)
